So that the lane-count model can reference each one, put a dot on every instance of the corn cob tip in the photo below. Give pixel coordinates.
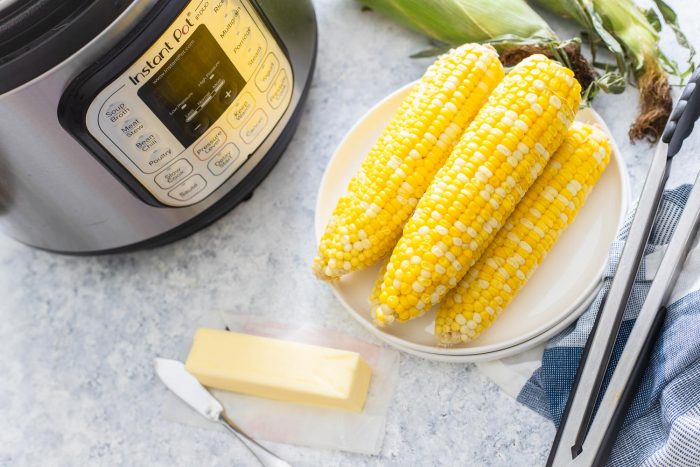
(382, 315)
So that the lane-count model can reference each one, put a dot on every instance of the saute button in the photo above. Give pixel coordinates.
(173, 173)
(279, 90)
(241, 109)
(254, 126)
(267, 72)
(224, 159)
(147, 142)
(132, 127)
(159, 158)
(211, 143)
(189, 188)
(116, 112)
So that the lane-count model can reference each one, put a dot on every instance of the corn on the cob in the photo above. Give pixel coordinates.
(500, 155)
(530, 232)
(368, 219)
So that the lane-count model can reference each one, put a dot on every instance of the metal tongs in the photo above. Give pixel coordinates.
(582, 439)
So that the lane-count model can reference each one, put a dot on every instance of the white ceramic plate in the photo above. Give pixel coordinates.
(568, 276)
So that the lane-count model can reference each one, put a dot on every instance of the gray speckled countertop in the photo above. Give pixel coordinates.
(78, 335)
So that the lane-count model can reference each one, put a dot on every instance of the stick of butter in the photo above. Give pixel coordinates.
(278, 369)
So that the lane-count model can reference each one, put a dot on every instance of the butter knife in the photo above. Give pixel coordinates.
(176, 377)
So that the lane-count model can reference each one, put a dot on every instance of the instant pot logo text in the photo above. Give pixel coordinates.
(179, 34)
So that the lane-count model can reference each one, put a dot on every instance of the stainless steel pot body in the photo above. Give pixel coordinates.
(56, 195)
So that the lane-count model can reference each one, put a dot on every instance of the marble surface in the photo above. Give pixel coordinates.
(78, 335)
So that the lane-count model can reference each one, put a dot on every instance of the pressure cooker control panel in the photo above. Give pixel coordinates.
(193, 108)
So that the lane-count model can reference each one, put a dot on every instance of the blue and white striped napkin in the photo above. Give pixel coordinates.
(662, 426)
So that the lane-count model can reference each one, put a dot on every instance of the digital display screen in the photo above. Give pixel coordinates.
(194, 87)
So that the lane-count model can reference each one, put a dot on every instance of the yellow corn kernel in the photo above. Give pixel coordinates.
(526, 238)
(367, 221)
(497, 159)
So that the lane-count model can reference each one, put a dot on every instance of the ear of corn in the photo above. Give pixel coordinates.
(498, 158)
(368, 219)
(530, 232)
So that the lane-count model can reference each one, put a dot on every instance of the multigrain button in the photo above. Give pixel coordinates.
(211, 143)
(173, 173)
(189, 188)
(132, 127)
(223, 160)
(279, 90)
(147, 142)
(159, 158)
(116, 112)
(254, 126)
(241, 110)
(267, 72)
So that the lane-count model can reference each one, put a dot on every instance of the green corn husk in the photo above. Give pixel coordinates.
(631, 34)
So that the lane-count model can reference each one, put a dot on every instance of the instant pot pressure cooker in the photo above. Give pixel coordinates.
(131, 123)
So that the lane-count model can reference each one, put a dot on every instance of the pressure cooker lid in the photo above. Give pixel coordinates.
(36, 35)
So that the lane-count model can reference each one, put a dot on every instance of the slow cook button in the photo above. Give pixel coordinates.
(254, 126)
(241, 109)
(279, 90)
(224, 159)
(132, 127)
(212, 142)
(189, 188)
(173, 173)
(159, 158)
(267, 72)
(116, 112)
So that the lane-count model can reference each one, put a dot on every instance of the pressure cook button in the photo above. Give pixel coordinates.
(279, 90)
(147, 142)
(132, 127)
(254, 126)
(267, 72)
(211, 143)
(241, 110)
(116, 112)
(159, 158)
(189, 188)
(223, 159)
(173, 173)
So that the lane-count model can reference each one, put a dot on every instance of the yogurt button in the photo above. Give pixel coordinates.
(159, 158)
(267, 72)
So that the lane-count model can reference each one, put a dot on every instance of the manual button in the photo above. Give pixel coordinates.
(224, 159)
(267, 72)
(189, 188)
(211, 143)
(279, 90)
(255, 125)
(173, 173)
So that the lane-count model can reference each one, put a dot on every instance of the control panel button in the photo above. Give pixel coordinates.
(223, 159)
(132, 127)
(279, 90)
(159, 158)
(116, 112)
(267, 72)
(255, 125)
(173, 173)
(210, 144)
(196, 126)
(241, 110)
(147, 142)
(189, 188)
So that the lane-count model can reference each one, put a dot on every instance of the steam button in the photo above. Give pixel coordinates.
(189, 188)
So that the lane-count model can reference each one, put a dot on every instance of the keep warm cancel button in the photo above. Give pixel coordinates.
(189, 188)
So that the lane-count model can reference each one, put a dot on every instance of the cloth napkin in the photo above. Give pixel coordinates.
(662, 426)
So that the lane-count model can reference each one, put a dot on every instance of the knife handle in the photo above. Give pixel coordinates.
(264, 456)
(687, 111)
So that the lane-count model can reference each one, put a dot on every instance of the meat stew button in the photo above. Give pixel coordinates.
(189, 188)
(210, 144)
(173, 173)
(224, 159)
